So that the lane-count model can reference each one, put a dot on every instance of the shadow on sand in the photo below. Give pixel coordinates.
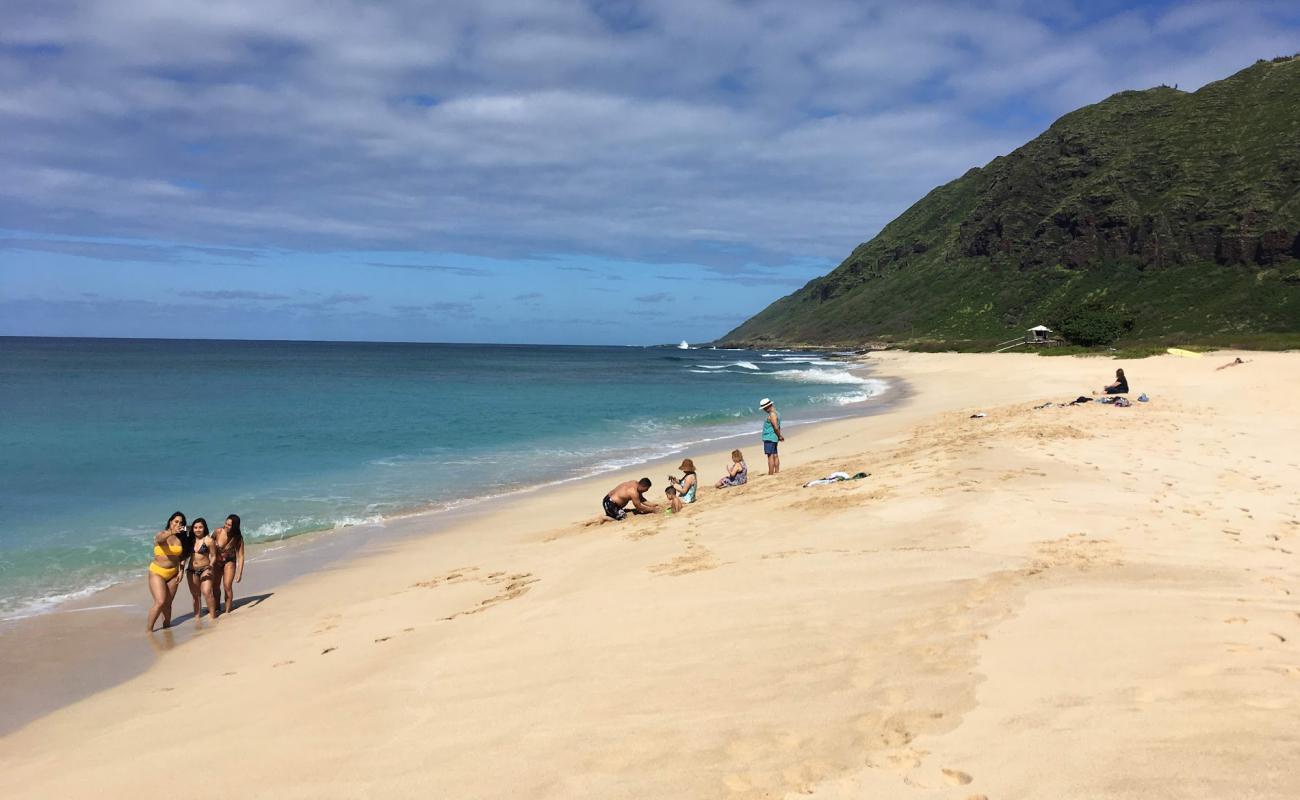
(169, 638)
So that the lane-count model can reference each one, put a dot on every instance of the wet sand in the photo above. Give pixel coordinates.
(95, 642)
(1070, 602)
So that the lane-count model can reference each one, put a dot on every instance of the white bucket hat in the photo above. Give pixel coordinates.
(764, 403)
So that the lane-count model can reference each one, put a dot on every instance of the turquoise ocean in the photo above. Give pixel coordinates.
(101, 439)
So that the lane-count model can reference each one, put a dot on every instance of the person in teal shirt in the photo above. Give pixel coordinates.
(685, 488)
(771, 435)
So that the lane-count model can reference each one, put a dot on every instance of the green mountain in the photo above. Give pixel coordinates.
(1152, 215)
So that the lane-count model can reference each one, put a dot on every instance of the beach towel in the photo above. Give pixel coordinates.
(837, 477)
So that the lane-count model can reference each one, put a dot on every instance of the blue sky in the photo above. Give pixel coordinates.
(547, 171)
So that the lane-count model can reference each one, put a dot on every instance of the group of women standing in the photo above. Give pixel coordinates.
(212, 562)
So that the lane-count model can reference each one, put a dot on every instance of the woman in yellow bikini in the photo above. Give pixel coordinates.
(168, 555)
(201, 574)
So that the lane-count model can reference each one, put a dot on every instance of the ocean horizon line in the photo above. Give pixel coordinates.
(670, 345)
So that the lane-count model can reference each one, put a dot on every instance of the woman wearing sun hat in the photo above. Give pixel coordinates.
(771, 435)
(688, 484)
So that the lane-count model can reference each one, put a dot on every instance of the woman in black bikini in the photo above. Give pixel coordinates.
(229, 544)
(199, 573)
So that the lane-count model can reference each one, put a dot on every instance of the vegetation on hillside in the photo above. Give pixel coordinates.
(1153, 215)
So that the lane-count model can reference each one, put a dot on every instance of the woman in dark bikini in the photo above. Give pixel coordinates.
(229, 543)
(200, 572)
(168, 556)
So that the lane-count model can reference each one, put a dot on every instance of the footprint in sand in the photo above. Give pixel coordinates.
(1278, 636)
(897, 760)
(978, 797)
(166, 689)
(328, 650)
(327, 623)
(956, 777)
(516, 584)
(382, 639)
(1271, 581)
(282, 664)
(1235, 620)
(227, 673)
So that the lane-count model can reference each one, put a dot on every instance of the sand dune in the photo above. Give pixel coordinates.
(1072, 602)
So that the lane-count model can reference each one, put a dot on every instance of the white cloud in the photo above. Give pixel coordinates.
(713, 131)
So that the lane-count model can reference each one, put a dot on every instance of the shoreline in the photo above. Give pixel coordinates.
(32, 596)
(68, 630)
(1070, 602)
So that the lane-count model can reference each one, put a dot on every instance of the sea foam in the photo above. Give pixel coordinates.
(823, 376)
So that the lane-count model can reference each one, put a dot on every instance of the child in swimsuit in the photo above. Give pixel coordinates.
(674, 502)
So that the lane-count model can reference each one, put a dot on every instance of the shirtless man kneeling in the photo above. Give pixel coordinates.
(628, 492)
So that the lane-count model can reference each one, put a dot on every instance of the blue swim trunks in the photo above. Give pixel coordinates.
(769, 448)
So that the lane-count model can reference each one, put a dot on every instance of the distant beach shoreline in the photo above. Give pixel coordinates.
(328, 437)
(93, 641)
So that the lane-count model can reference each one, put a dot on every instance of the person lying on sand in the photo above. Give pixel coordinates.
(1234, 362)
(737, 472)
(628, 492)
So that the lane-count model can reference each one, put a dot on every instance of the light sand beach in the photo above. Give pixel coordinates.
(1081, 602)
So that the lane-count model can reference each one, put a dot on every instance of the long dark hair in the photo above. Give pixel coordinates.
(195, 524)
(186, 536)
(1119, 374)
(234, 533)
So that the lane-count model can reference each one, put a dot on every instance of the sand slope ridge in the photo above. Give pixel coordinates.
(1067, 602)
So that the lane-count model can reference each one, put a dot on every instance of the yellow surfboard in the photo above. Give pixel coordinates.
(1178, 351)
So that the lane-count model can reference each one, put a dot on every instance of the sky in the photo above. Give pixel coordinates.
(549, 171)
